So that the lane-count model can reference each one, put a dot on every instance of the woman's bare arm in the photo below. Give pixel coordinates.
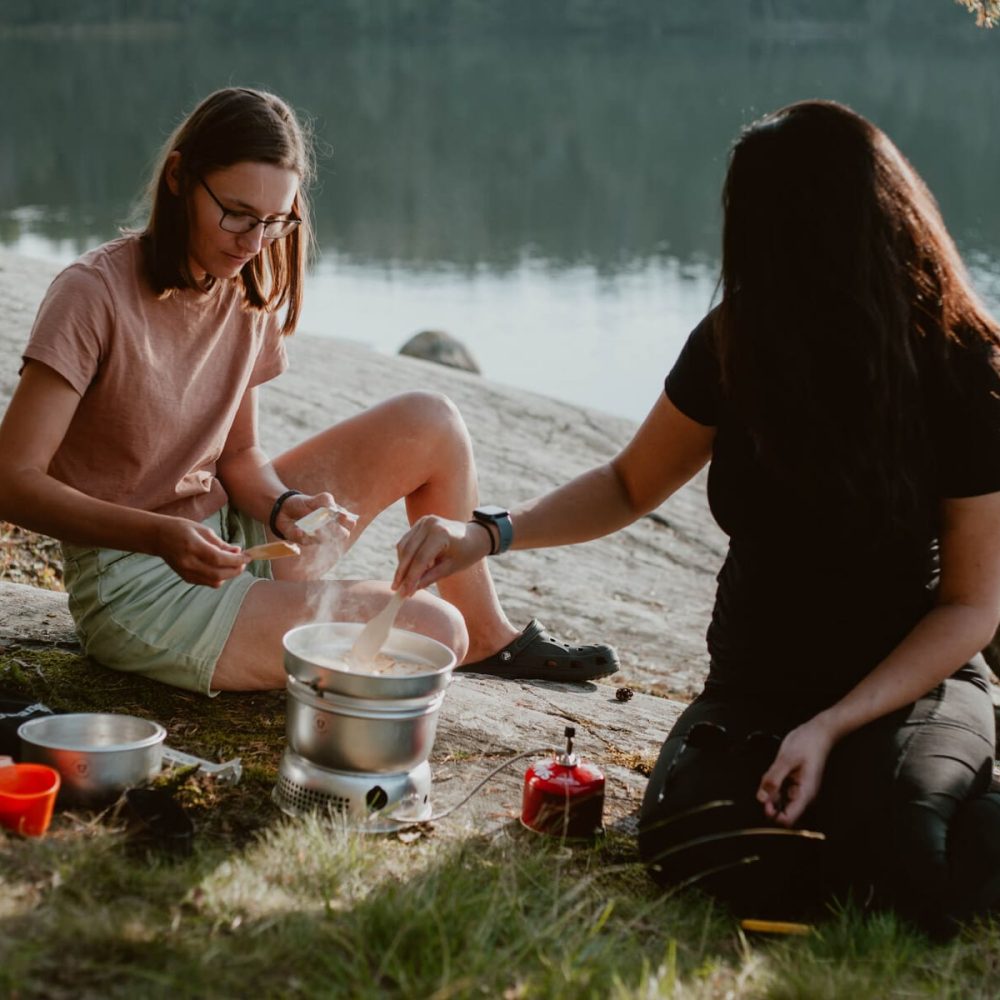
(253, 484)
(665, 452)
(32, 429)
(961, 624)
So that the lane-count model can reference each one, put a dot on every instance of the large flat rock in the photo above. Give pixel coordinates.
(647, 590)
(30, 616)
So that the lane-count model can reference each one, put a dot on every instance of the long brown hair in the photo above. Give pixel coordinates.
(233, 125)
(843, 294)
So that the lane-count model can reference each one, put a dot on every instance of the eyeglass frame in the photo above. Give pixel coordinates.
(293, 221)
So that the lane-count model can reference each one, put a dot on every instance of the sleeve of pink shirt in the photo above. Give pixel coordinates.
(73, 326)
(272, 358)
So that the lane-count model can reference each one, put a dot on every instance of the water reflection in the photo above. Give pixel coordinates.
(571, 167)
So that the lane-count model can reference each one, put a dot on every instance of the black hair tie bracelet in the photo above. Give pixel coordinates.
(276, 510)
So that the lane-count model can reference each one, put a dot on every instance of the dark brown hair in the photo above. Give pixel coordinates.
(841, 291)
(233, 125)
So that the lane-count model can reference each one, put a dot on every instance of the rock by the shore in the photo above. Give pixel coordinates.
(441, 348)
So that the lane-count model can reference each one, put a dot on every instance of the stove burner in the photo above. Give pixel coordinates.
(360, 798)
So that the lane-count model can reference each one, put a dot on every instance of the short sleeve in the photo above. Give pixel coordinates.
(73, 326)
(694, 383)
(968, 425)
(272, 358)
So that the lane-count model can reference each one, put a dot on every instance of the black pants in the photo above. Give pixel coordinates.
(906, 811)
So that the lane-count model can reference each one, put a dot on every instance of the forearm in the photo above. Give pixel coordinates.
(592, 505)
(37, 501)
(938, 645)
(956, 629)
(948, 636)
(251, 482)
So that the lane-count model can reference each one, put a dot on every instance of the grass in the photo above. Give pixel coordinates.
(272, 907)
(309, 909)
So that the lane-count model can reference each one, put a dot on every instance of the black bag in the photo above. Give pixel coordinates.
(14, 712)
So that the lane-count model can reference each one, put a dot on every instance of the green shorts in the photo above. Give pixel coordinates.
(134, 613)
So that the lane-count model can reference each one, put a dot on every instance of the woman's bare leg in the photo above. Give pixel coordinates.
(414, 446)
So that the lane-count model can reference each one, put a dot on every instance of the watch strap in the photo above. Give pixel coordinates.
(506, 529)
(500, 519)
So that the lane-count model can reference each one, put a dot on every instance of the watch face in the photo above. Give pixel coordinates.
(490, 510)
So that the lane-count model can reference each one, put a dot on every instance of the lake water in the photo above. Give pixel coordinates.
(553, 204)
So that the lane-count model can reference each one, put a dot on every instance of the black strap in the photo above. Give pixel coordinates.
(276, 510)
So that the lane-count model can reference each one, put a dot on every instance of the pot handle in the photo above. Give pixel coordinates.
(228, 772)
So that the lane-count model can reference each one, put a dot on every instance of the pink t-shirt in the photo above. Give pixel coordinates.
(160, 379)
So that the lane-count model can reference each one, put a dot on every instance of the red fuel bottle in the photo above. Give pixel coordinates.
(564, 796)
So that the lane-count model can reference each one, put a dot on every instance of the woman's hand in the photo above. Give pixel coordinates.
(196, 554)
(297, 506)
(793, 779)
(434, 548)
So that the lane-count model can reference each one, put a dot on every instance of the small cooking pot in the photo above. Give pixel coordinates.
(98, 754)
(312, 652)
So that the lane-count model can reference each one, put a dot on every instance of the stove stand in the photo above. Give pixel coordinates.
(371, 803)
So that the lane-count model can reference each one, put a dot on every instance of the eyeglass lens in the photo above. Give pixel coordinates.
(273, 229)
(244, 222)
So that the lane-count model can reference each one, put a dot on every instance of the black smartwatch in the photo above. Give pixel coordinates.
(492, 517)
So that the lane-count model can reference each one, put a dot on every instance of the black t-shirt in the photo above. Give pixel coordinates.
(812, 595)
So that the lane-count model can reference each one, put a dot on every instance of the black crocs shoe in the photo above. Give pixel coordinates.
(536, 655)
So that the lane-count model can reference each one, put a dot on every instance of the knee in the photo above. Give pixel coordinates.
(439, 620)
(433, 415)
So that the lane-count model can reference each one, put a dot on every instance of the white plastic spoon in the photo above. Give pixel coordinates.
(315, 519)
(374, 634)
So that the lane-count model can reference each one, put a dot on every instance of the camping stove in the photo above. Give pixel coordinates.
(358, 743)
(375, 803)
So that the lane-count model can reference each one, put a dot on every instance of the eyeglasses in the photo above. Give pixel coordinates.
(245, 222)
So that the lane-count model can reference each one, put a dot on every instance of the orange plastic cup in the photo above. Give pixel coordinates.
(27, 797)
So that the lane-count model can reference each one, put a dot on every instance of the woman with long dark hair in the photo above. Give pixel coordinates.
(132, 436)
(846, 393)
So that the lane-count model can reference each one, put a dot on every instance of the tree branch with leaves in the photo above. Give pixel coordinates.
(987, 11)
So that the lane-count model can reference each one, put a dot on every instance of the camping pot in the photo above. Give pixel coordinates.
(355, 734)
(98, 754)
(348, 720)
(564, 797)
(312, 652)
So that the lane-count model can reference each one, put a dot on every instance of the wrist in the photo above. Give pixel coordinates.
(491, 534)
(831, 724)
(497, 521)
(272, 522)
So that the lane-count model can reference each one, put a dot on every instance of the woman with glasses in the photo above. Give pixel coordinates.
(132, 436)
(845, 394)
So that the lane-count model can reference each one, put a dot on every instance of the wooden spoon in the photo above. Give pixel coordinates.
(273, 550)
(374, 634)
